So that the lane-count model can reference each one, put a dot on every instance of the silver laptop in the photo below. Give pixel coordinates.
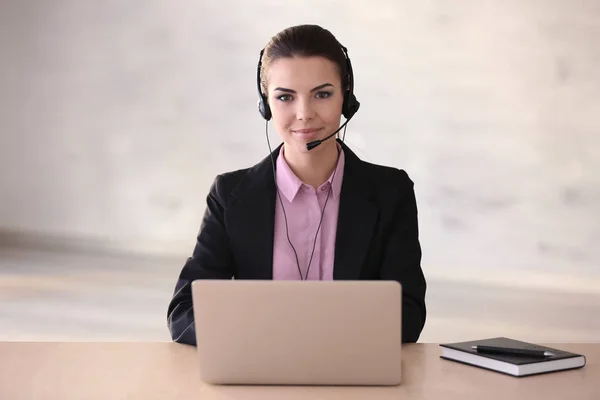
(298, 332)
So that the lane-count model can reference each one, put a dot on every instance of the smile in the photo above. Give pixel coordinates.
(306, 131)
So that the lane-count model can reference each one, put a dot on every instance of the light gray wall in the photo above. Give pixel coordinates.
(116, 116)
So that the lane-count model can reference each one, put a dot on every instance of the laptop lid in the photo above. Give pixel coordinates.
(298, 332)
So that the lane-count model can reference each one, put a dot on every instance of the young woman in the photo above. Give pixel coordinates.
(311, 209)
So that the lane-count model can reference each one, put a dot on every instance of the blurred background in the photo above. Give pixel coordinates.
(116, 116)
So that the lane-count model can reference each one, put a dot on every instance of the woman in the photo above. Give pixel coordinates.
(312, 209)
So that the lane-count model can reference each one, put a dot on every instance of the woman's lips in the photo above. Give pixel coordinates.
(309, 133)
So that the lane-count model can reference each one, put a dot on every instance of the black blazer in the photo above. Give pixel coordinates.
(377, 237)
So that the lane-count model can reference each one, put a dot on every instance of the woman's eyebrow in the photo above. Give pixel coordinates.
(312, 90)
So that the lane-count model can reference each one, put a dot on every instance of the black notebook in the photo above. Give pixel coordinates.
(515, 365)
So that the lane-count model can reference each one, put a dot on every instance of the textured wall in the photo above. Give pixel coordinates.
(116, 116)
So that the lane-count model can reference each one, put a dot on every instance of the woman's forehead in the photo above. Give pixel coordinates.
(300, 73)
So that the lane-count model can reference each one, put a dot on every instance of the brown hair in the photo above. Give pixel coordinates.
(304, 41)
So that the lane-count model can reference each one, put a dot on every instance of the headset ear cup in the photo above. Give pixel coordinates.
(267, 112)
(350, 106)
(263, 108)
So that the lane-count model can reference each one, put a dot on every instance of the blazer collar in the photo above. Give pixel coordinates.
(260, 176)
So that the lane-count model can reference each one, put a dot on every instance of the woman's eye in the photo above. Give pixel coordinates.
(323, 95)
(284, 97)
(288, 97)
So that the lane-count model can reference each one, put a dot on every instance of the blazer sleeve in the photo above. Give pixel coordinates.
(402, 261)
(211, 259)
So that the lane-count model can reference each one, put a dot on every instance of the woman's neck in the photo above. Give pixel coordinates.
(313, 168)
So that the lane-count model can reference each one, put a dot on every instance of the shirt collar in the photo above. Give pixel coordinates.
(289, 184)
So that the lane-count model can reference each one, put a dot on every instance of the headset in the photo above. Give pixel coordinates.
(349, 108)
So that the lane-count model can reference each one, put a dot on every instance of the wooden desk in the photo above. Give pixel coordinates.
(169, 371)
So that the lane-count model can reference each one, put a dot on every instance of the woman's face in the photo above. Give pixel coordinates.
(306, 97)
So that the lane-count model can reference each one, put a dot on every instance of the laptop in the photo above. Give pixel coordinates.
(265, 332)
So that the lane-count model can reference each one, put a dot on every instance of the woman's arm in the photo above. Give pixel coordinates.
(211, 259)
(402, 261)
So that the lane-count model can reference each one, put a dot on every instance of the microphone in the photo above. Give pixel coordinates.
(315, 143)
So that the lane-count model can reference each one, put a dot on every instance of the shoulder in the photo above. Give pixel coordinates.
(242, 182)
(392, 188)
(225, 182)
(230, 178)
(384, 179)
(387, 179)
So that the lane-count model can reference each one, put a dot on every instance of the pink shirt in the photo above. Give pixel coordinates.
(303, 206)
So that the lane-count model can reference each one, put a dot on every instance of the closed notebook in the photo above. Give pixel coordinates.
(515, 365)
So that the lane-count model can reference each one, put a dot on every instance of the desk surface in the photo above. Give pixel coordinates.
(170, 371)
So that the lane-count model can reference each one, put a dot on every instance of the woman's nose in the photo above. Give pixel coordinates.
(305, 110)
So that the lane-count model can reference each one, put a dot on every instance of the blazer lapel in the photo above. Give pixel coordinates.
(356, 220)
(252, 216)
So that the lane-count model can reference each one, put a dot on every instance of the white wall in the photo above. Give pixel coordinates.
(116, 116)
